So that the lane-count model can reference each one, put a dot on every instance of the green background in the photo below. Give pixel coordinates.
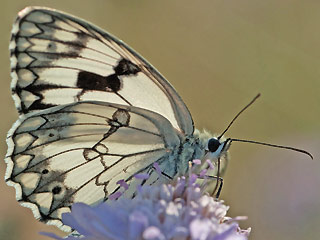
(218, 55)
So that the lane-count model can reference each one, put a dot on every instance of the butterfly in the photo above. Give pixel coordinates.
(92, 112)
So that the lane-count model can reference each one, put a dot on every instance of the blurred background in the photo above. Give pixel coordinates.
(218, 55)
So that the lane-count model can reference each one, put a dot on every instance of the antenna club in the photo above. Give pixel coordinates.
(273, 145)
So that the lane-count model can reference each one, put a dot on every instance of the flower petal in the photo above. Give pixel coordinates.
(153, 233)
(137, 223)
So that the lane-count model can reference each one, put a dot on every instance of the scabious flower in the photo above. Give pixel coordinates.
(176, 211)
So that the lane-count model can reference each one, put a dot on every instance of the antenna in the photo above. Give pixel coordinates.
(248, 105)
(271, 145)
(229, 140)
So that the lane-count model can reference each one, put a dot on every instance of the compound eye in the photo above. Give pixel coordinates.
(213, 144)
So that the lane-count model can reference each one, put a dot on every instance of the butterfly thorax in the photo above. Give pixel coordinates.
(191, 147)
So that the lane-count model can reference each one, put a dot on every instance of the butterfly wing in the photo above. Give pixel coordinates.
(57, 59)
(78, 152)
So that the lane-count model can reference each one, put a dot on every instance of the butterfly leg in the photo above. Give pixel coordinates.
(218, 189)
(219, 183)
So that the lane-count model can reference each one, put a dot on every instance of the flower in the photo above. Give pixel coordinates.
(176, 211)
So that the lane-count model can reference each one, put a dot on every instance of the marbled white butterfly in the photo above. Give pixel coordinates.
(92, 112)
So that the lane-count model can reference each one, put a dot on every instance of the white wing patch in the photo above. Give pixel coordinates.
(78, 153)
(56, 56)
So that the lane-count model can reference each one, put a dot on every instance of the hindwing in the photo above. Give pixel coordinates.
(78, 153)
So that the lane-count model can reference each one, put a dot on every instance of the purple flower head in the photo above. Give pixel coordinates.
(180, 210)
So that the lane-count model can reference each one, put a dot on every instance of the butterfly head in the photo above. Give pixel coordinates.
(214, 158)
(216, 148)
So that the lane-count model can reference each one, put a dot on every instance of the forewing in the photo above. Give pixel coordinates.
(78, 153)
(57, 59)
